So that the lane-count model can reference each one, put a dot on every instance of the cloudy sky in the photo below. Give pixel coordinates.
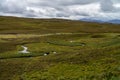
(70, 9)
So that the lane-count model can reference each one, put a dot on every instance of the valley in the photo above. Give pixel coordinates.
(58, 50)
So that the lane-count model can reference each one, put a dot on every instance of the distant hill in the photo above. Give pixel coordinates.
(115, 21)
(92, 20)
(15, 25)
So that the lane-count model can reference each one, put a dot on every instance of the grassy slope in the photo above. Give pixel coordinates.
(97, 59)
(23, 25)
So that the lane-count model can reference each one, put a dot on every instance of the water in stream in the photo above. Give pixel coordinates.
(24, 50)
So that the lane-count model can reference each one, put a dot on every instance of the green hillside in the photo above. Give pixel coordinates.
(76, 50)
(23, 25)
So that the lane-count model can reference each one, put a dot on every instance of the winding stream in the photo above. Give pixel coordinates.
(24, 50)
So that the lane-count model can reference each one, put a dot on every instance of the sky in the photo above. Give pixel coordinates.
(68, 9)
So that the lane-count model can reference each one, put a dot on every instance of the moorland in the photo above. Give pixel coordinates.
(76, 50)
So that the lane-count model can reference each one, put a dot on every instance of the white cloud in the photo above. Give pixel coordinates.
(71, 9)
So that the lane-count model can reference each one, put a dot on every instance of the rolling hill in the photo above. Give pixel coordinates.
(23, 25)
(59, 49)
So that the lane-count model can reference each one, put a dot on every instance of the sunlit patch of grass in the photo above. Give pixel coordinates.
(66, 43)
(111, 42)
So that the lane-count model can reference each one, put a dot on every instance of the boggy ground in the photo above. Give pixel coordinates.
(76, 50)
(81, 56)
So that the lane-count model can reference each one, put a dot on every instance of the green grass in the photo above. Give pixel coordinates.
(73, 72)
(83, 50)
(10, 25)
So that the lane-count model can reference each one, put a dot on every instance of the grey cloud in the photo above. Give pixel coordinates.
(73, 9)
(12, 6)
(107, 5)
(62, 2)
